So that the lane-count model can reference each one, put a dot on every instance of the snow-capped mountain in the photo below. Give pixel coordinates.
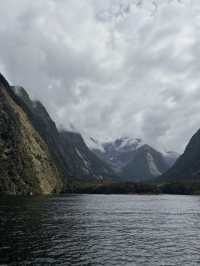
(130, 157)
(117, 153)
(123, 144)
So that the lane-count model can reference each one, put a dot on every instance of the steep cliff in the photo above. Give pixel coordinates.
(187, 167)
(84, 164)
(26, 163)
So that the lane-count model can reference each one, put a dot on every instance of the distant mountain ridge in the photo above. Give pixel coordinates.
(117, 153)
(132, 159)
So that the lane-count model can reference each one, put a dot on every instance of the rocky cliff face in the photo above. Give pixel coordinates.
(147, 163)
(84, 164)
(26, 163)
(187, 167)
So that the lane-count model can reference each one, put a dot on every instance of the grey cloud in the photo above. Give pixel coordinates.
(109, 68)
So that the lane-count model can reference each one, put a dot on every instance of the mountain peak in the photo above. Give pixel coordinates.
(118, 152)
(125, 143)
(125, 151)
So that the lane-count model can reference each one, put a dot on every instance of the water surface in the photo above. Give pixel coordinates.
(100, 230)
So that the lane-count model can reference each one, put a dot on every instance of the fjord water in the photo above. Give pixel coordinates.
(100, 230)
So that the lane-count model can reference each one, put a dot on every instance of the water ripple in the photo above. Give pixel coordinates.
(100, 230)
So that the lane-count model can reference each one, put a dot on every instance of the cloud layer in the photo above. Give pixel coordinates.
(110, 68)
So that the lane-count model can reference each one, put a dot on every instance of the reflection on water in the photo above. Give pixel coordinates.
(100, 230)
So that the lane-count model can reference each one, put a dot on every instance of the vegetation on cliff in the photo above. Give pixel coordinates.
(26, 164)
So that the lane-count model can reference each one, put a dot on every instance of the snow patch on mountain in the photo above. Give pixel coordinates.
(93, 144)
(152, 166)
(125, 144)
(119, 145)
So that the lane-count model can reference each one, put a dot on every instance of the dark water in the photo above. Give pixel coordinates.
(100, 230)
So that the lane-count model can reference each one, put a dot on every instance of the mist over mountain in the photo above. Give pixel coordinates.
(117, 153)
(132, 159)
(69, 148)
(171, 157)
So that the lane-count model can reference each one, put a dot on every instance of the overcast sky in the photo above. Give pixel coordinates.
(110, 68)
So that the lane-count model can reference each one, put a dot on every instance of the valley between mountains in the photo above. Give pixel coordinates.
(38, 158)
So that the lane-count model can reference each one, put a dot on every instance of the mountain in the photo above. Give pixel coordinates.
(69, 150)
(146, 163)
(84, 164)
(187, 167)
(35, 157)
(117, 153)
(26, 163)
(132, 159)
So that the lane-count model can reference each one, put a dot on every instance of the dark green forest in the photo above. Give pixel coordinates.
(112, 187)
